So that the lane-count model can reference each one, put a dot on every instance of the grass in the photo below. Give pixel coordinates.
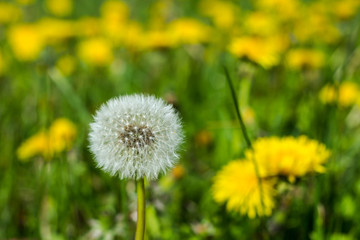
(67, 197)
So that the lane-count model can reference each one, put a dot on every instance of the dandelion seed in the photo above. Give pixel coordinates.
(143, 143)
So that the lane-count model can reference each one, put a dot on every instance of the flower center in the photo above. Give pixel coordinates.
(136, 136)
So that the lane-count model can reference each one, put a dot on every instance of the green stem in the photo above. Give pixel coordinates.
(140, 226)
(238, 114)
(246, 136)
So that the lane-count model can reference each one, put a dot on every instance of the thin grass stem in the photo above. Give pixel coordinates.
(245, 134)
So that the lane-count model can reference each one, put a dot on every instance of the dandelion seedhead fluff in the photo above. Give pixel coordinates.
(135, 136)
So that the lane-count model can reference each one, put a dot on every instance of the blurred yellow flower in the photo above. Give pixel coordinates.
(289, 156)
(328, 94)
(96, 51)
(260, 23)
(305, 58)
(315, 26)
(222, 13)
(25, 41)
(62, 134)
(60, 137)
(114, 17)
(66, 65)
(55, 30)
(263, 51)
(284, 9)
(189, 31)
(59, 8)
(155, 39)
(9, 13)
(238, 185)
(179, 31)
(36, 144)
(347, 94)
(344, 9)
(203, 138)
(114, 11)
(178, 172)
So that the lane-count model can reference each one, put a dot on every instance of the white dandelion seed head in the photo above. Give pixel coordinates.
(135, 136)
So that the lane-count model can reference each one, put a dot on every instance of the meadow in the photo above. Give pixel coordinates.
(268, 92)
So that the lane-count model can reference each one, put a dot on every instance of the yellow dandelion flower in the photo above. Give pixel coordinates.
(315, 27)
(115, 11)
(25, 41)
(222, 13)
(34, 145)
(260, 23)
(328, 94)
(56, 30)
(9, 13)
(95, 51)
(59, 8)
(305, 58)
(289, 156)
(66, 65)
(62, 133)
(114, 18)
(346, 95)
(156, 39)
(189, 31)
(345, 9)
(238, 185)
(263, 51)
(178, 172)
(60, 137)
(284, 9)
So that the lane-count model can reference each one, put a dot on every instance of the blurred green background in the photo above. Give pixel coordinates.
(296, 71)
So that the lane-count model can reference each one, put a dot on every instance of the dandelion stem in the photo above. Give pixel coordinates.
(238, 114)
(245, 134)
(140, 226)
